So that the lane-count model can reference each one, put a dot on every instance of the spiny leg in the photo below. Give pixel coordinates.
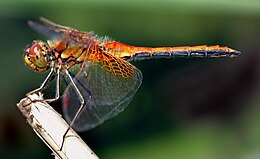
(46, 82)
(82, 104)
(57, 94)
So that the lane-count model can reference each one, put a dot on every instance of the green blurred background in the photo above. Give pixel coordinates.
(185, 108)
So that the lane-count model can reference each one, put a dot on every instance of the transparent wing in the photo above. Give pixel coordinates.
(49, 28)
(112, 83)
(58, 32)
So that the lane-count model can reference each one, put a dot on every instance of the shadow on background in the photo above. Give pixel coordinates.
(185, 108)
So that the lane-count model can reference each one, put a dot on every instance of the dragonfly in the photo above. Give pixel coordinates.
(100, 80)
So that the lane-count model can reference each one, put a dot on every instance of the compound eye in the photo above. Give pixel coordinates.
(35, 50)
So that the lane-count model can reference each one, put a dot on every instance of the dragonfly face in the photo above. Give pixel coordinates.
(36, 56)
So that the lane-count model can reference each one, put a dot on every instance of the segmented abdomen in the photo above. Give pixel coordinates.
(128, 52)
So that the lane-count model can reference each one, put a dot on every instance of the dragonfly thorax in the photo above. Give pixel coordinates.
(36, 56)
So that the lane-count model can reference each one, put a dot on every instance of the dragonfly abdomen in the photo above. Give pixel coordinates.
(185, 51)
(129, 53)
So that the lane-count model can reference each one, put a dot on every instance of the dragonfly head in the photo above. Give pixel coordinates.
(36, 56)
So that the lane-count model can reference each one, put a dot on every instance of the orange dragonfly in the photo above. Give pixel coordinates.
(105, 82)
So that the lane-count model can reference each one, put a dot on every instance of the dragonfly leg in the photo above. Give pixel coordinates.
(81, 108)
(57, 94)
(47, 80)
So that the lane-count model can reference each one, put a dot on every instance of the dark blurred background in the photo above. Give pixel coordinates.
(185, 108)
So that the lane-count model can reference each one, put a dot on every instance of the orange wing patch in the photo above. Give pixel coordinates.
(112, 64)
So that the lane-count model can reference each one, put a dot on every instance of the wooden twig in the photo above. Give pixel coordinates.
(50, 127)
